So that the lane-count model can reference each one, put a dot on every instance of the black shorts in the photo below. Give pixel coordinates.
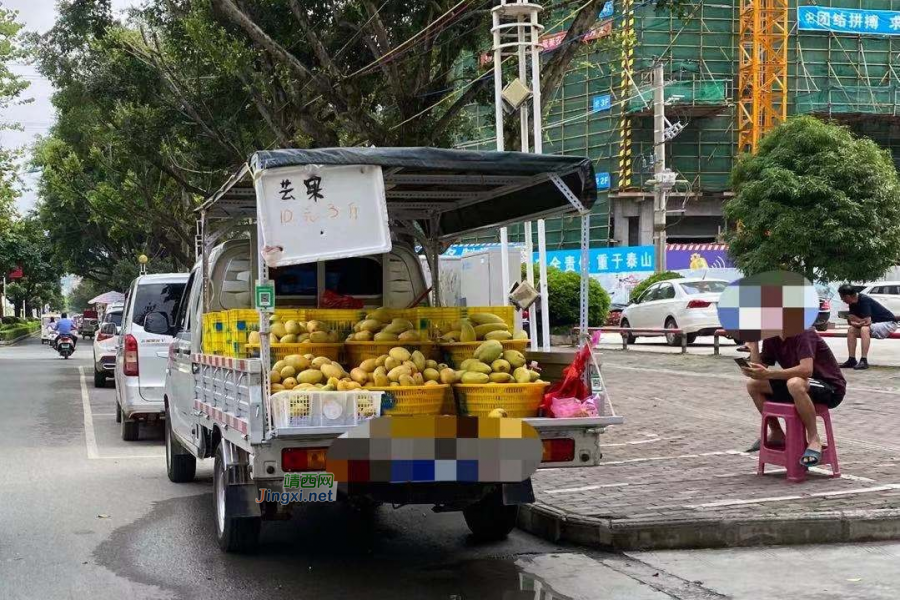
(819, 391)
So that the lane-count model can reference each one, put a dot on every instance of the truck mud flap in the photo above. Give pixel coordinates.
(240, 501)
(518, 493)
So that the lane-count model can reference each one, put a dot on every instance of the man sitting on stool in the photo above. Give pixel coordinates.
(868, 319)
(809, 375)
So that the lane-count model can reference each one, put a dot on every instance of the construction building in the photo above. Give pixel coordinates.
(733, 70)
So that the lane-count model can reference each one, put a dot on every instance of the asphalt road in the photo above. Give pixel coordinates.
(86, 515)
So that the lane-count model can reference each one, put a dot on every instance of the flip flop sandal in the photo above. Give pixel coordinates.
(810, 458)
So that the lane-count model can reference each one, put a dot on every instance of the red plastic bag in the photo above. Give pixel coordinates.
(334, 300)
(572, 384)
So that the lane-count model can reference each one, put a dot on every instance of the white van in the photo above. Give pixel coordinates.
(48, 332)
(148, 324)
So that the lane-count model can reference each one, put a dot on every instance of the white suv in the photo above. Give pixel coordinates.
(143, 350)
(106, 340)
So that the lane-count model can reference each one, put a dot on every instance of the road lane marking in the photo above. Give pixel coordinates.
(586, 488)
(89, 438)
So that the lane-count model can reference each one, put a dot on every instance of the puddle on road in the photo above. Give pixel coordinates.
(333, 552)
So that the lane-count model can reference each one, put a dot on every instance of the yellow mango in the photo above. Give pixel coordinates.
(471, 377)
(399, 354)
(368, 365)
(448, 375)
(372, 325)
(380, 378)
(363, 336)
(395, 373)
(311, 376)
(318, 361)
(467, 333)
(301, 363)
(484, 318)
(288, 371)
(384, 336)
(253, 338)
(418, 359)
(451, 336)
(431, 374)
(277, 387)
(500, 366)
(278, 366)
(488, 351)
(289, 339)
(520, 335)
(332, 371)
(431, 364)
(418, 379)
(319, 337)
(522, 375)
(278, 330)
(535, 376)
(380, 360)
(498, 335)
(479, 367)
(501, 377)
(275, 376)
(289, 383)
(483, 330)
(515, 358)
(312, 326)
(382, 315)
(432, 382)
(391, 363)
(408, 336)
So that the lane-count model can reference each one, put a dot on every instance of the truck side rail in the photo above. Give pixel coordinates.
(229, 392)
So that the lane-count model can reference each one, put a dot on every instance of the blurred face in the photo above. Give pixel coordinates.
(850, 299)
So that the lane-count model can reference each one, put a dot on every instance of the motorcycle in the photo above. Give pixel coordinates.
(65, 345)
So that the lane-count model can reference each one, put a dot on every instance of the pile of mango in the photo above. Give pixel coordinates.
(478, 327)
(378, 326)
(296, 332)
(309, 372)
(492, 364)
(401, 368)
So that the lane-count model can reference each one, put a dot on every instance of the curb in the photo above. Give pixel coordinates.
(19, 339)
(826, 527)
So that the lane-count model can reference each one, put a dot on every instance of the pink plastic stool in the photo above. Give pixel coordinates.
(789, 455)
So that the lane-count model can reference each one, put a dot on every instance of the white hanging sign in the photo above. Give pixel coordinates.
(310, 213)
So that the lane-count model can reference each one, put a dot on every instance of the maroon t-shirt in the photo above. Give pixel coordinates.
(790, 351)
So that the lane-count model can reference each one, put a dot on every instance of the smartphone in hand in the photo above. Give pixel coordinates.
(742, 362)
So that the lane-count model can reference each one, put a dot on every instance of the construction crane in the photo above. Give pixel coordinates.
(762, 69)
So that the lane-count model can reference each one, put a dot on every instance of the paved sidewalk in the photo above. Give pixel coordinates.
(675, 475)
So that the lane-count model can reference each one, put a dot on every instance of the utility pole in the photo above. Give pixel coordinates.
(663, 178)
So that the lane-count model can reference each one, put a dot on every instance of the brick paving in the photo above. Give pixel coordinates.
(679, 461)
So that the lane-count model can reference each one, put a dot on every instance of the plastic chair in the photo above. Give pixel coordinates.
(788, 456)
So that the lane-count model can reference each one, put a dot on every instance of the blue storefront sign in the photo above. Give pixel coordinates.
(622, 259)
(601, 103)
(848, 20)
(602, 180)
(607, 10)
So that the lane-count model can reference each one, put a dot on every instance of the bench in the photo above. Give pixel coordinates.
(623, 331)
(830, 333)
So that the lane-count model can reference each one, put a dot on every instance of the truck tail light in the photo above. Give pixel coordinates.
(303, 459)
(699, 304)
(131, 356)
(558, 450)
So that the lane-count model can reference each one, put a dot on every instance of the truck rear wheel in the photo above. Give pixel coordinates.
(99, 379)
(234, 534)
(180, 466)
(489, 518)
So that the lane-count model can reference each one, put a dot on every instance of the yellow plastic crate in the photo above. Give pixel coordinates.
(431, 320)
(412, 400)
(214, 332)
(457, 352)
(341, 320)
(356, 352)
(507, 313)
(519, 400)
(240, 322)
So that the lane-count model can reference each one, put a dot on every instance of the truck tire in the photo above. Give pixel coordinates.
(130, 429)
(239, 535)
(99, 379)
(118, 413)
(489, 519)
(180, 466)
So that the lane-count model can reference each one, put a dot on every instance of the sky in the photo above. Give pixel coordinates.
(36, 117)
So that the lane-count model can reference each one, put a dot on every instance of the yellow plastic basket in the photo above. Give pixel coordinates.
(519, 400)
(214, 332)
(431, 320)
(457, 352)
(413, 400)
(240, 322)
(356, 352)
(280, 351)
(341, 320)
(507, 313)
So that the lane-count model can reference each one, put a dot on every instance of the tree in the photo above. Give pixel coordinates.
(564, 303)
(818, 201)
(655, 278)
(39, 284)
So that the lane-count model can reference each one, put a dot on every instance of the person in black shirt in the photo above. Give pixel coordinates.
(868, 319)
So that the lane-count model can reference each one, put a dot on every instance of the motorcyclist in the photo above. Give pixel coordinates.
(65, 326)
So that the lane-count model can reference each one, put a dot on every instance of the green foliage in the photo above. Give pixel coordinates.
(564, 288)
(14, 332)
(643, 285)
(815, 200)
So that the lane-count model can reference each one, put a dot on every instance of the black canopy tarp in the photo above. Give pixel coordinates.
(461, 190)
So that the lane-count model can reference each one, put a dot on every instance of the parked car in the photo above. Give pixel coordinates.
(886, 293)
(148, 324)
(105, 343)
(685, 304)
